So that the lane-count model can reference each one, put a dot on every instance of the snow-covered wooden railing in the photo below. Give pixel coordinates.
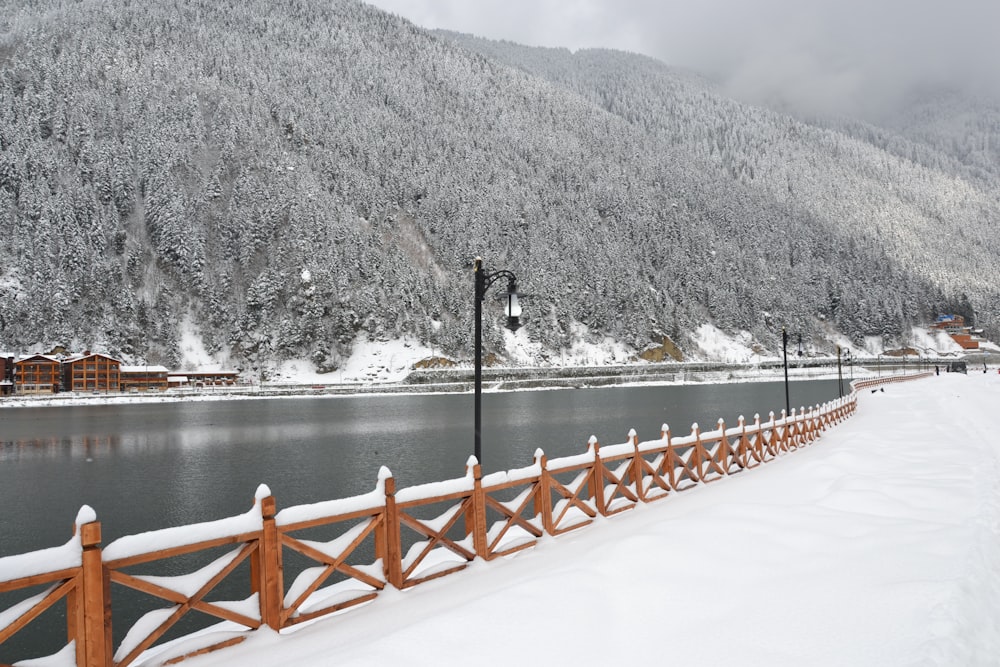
(889, 379)
(442, 526)
(72, 572)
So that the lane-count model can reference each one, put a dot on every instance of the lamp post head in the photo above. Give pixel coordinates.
(513, 310)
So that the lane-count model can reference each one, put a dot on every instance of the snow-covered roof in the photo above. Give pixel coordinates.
(203, 373)
(143, 369)
(29, 357)
(80, 357)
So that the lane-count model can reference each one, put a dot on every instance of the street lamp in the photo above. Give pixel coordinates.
(840, 376)
(483, 282)
(784, 353)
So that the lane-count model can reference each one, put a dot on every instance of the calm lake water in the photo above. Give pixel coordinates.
(148, 466)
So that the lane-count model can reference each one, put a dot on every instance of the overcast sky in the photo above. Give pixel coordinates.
(848, 56)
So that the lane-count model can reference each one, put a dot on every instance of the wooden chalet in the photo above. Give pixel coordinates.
(37, 374)
(93, 372)
(143, 378)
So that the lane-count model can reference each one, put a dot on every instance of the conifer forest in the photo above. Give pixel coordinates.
(285, 177)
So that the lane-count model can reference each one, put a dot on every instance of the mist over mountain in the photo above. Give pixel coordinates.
(284, 178)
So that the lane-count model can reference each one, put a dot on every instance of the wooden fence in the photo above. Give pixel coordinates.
(443, 525)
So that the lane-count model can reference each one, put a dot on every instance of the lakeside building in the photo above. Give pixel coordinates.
(92, 372)
(37, 374)
(6, 373)
(144, 378)
(204, 379)
(87, 372)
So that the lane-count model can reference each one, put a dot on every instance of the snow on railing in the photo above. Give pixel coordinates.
(356, 545)
(53, 559)
(154, 541)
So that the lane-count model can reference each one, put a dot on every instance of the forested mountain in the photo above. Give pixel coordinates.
(285, 177)
(923, 190)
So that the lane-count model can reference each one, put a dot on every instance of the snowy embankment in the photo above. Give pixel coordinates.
(877, 545)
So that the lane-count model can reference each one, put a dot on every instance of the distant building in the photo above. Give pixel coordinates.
(93, 372)
(966, 341)
(143, 378)
(49, 373)
(37, 374)
(954, 326)
(6, 374)
(949, 323)
(177, 381)
(204, 379)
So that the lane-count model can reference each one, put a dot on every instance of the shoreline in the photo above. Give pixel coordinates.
(495, 380)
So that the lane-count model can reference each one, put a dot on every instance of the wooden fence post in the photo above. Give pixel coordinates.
(93, 625)
(267, 567)
(743, 454)
(668, 457)
(597, 477)
(545, 492)
(759, 445)
(478, 527)
(790, 431)
(636, 467)
(392, 559)
(724, 449)
(783, 438)
(696, 457)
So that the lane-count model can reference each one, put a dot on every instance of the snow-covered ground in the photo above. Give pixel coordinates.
(392, 360)
(877, 545)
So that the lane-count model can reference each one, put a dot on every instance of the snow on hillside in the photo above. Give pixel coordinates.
(205, 184)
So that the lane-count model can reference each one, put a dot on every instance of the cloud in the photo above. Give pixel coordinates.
(850, 56)
(554, 23)
(846, 56)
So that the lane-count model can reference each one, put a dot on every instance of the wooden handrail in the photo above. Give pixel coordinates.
(604, 481)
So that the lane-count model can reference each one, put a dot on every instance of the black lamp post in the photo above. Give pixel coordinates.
(784, 352)
(840, 376)
(484, 281)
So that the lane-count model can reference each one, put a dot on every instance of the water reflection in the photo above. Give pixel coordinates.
(148, 466)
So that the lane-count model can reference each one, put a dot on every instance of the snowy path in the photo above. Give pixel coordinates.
(877, 545)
